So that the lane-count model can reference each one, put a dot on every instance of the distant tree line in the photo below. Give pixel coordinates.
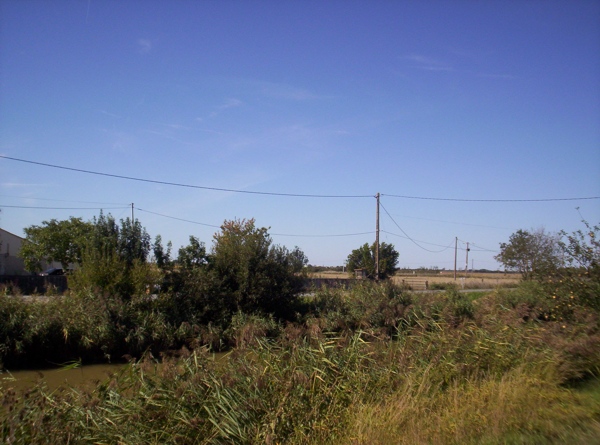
(567, 265)
(242, 271)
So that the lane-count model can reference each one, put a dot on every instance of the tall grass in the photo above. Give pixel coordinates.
(372, 365)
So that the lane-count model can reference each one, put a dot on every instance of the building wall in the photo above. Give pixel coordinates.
(10, 263)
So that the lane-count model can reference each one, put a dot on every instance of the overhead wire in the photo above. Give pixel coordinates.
(176, 184)
(298, 195)
(267, 193)
(406, 234)
(422, 242)
(490, 200)
(480, 248)
(178, 219)
(275, 234)
(62, 208)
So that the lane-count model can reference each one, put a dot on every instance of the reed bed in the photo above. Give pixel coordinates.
(369, 365)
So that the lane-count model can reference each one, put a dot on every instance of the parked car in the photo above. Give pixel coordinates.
(52, 271)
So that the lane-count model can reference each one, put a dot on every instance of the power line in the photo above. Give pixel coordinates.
(491, 200)
(62, 208)
(297, 195)
(178, 219)
(480, 248)
(175, 184)
(274, 234)
(325, 236)
(454, 222)
(407, 236)
(422, 242)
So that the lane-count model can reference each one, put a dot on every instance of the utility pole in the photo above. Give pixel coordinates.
(132, 213)
(377, 241)
(467, 261)
(455, 253)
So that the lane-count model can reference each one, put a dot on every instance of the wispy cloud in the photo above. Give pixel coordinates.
(429, 63)
(168, 136)
(229, 103)
(283, 91)
(144, 46)
(116, 116)
(14, 185)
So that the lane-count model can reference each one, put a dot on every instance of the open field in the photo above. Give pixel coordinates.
(475, 280)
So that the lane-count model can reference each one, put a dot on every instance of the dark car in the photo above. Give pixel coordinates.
(52, 271)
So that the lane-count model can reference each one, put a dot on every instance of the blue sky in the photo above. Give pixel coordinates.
(495, 100)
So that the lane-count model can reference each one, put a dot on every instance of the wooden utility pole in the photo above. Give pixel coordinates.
(467, 261)
(132, 213)
(377, 241)
(455, 253)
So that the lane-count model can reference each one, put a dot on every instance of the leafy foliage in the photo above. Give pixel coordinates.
(532, 253)
(193, 255)
(252, 273)
(162, 256)
(432, 384)
(114, 259)
(566, 267)
(364, 258)
(60, 241)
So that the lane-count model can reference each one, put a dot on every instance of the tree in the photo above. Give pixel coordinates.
(532, 253)
(252, 273)
(364, 258)
(580, 253)
(129, 242)
(162, 257)
(192, 255)
(579, 279)
(60, 241)
(133, 242)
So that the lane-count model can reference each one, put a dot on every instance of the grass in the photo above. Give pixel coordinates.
(475, 280)
(369, 365)
(520, 407)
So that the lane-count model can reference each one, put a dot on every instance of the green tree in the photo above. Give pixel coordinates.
(53, 240)
(129, 241)
(114, 259)
(364, 258)
(193, 255)
(162, 256)
(133, 242)
(579, 280)
(582, 249)
(534, 254)
(252, 273)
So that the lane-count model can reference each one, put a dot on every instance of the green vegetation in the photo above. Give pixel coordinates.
(60, 241)
(373, 364)
(532, 253)
(364, 258)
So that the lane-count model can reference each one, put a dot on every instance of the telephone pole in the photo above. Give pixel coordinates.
(377, 241)
(132, 213)
(467, 261)
(455, 253)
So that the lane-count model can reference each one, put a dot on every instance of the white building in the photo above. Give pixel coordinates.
(10, 262)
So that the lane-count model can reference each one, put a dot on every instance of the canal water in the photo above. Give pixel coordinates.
(82, 376)
(87, 375)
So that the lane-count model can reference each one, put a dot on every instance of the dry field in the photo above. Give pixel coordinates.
(471, 280)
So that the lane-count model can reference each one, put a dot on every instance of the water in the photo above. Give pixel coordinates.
(84, 376)
(87, 375)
